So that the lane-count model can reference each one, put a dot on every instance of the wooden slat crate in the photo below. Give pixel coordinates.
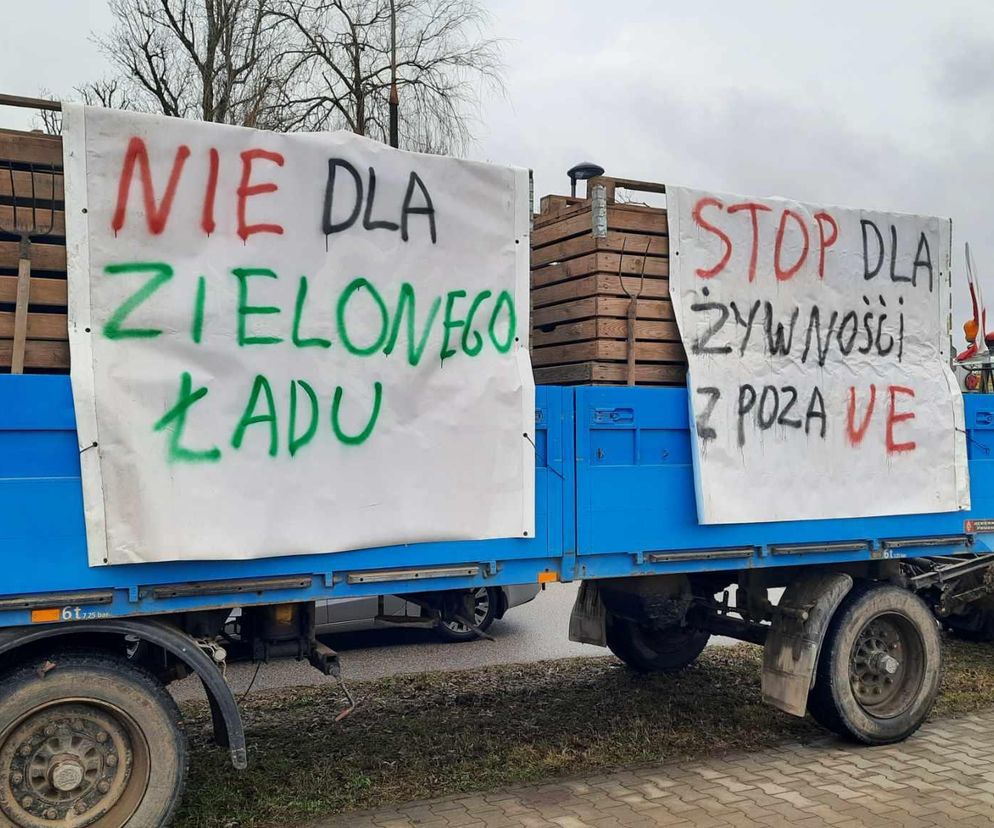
(581, 285)
(31, 159)
(582, 288)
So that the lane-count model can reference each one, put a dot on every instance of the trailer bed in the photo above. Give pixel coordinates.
(614, 497)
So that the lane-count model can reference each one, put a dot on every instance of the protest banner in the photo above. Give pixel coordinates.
(290, 344)
(818, 348)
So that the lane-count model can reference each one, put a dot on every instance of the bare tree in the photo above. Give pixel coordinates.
(304, 65)
(215, 60)
(339, 66)
(48, 120)
(107, 93)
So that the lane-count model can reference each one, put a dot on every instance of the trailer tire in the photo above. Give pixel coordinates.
(879, 668)
(653, 651)
(87, 739)
(981, 631)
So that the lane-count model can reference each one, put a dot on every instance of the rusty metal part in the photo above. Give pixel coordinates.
(958, 581)
(73, 762)
(885, 665)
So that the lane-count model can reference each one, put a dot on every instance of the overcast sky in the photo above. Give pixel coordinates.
(885, 105)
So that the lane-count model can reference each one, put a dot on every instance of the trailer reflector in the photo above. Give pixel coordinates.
(547, 577)
(40, 616)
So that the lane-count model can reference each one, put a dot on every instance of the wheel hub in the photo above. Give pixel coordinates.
(67, 775)
(886, 666)
(481, 606)
(68, 763)
(876, 663)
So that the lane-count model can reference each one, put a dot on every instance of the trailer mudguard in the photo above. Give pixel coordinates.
(790, 656)
(228, 729)
(588, 618)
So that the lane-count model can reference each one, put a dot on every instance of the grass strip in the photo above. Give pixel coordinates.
(434, 734)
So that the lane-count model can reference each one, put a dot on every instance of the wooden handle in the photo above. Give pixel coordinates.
(633, 315)
(21, 315)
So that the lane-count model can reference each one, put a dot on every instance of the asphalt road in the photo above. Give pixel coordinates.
(535, 631)
(532, 632)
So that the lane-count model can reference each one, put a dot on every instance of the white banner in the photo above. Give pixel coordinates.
(818, 346)
(289, 344)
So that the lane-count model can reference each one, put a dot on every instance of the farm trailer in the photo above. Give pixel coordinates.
(88, 733)
(88, 728)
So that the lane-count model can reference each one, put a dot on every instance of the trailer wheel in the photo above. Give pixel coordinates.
(88, 739)
(981, 630)
(879, 669)
(653, 651)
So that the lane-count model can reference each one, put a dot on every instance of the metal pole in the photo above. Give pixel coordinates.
(394, 99)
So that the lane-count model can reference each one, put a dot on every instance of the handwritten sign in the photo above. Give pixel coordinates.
(290, 344)
(819, 368)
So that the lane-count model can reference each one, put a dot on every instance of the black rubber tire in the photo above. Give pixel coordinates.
(115, 688)
(494, 598)
(833, 703)
(983, 632)
(653, 651)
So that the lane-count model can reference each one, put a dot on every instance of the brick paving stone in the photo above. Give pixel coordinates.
(941, 778)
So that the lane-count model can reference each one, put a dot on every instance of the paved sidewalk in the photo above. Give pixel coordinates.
(942, 776)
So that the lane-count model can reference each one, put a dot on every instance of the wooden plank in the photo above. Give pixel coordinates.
(637, 244)
(37, 354)
(610, 373)
(40, 325)
(650, 220)
(551, 205)
(609, 306)
(558, 210)
(611, 185)
(607, 349)
(51, 292)
(553, 231)
(21, 317)
(43, 218)
(560, 251)
(30, 147)
(632, 218)
(633, 263)
(634, 243)
(599, 263)
(51, 257)
(601, 284)
(603, 328)
(44, 186)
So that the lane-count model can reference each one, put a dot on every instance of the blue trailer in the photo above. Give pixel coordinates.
(851, 640)
(89, 734)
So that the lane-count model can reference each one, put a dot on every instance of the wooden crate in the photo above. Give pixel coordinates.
(27, 159)
(582, 288)
(581, 285)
